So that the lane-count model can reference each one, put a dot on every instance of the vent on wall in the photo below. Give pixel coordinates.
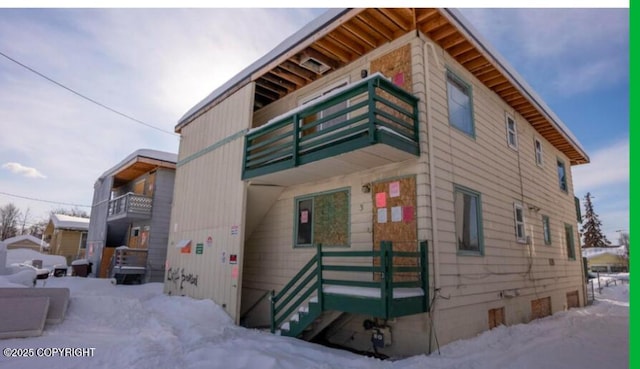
(314, 64)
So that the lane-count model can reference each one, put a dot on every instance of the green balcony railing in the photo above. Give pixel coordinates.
(365, 113)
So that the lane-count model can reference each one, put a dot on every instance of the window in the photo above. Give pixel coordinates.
(468, 219)
(568, 235)
(322, 219)
(518, 214)
(546, 230)
(326, 112)
(512, 132)
(562, 176)
(460, 108)
(538, 150)
(83, 240)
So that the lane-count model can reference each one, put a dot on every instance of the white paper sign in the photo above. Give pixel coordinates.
(382, 215)
(396, 214)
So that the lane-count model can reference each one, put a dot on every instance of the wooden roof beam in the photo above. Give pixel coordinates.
(468, 56)
(281, 91)
(403, 23)
(330, 47)
(460, 49)
(452, 41)
(476, 63)
(345, 40)
(368, 19)
(279, 81)
(495, 81)
(294, 68)
(282, 73)
(267, 93)
(442, 32)
(424, 14)
(360, 33)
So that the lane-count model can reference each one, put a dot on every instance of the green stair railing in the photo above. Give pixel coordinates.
(310, 281)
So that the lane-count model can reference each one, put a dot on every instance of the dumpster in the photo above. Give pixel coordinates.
(59, 270)
(80, 268)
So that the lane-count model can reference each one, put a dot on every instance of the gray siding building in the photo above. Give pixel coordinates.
(131, 207)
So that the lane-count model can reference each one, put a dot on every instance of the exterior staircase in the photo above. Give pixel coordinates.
(310, 302)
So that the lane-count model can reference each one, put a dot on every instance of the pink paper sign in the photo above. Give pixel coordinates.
(381, 199)
(234, 272)
(304, 217)
(394, 189)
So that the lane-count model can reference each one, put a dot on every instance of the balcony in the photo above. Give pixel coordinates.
(364, 125)
(130, 207)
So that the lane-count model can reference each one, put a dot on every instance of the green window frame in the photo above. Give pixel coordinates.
(467, 205)
(562, 176)
(460, 104)
(322, 218)
(569, 240)
(546, 230)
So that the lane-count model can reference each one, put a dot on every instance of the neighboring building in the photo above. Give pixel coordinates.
(67, 236)
(131, 207)
(26, 241)
(606, 259)
(374, 125)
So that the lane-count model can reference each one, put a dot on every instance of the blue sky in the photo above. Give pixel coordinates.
(156, 64)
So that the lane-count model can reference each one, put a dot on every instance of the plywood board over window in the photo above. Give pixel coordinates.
(496, 317)
(573, 299)
(540, 308)
(399, 226)
(397, 66)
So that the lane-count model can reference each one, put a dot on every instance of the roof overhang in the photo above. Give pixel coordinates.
(342, 36)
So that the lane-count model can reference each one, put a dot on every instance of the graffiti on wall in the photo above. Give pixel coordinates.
(179, 277)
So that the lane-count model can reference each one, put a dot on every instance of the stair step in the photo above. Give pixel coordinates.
(278, 332)
(285, 326)
(295, 317)
(314, 299)
(304, 309)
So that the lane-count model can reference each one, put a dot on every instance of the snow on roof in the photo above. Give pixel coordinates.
(17, 256)
(458, 20)
(145, 153)
(304, 33)
(69, 222)
(24, 237)
(592, 252)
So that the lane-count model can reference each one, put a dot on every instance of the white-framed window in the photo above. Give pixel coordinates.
(518, 216)
(460, 104)
(537, 145)
(328, 111)
(512, 131)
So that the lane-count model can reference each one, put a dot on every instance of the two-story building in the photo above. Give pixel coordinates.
(381, 180)
(131, 208)
(67, 236)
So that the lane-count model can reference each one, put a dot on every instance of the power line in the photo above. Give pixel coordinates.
(42, 200)
(86, 97)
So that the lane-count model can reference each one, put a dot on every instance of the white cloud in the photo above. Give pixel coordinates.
(609, 166)
(581, 49)
(18, 168)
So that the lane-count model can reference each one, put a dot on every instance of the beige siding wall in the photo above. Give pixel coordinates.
(503, 176)
(24, 244)
(67, 244)
(209, 201)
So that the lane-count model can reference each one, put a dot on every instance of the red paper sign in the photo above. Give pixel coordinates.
(407, 214)
(381, 199)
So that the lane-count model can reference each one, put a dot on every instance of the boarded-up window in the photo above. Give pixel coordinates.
(496, 317)
(573, 299)
(540, 308)
(323, 219)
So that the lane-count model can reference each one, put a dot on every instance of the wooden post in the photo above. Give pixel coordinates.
(372, 110)
(296, 139)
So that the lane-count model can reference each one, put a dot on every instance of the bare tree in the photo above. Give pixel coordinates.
(74, 212)
(9, 218)
(23, 222)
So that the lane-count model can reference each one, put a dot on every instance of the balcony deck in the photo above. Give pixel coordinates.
(129, 206)
(367, 124)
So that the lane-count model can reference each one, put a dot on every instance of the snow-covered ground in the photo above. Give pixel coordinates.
(139, 327)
